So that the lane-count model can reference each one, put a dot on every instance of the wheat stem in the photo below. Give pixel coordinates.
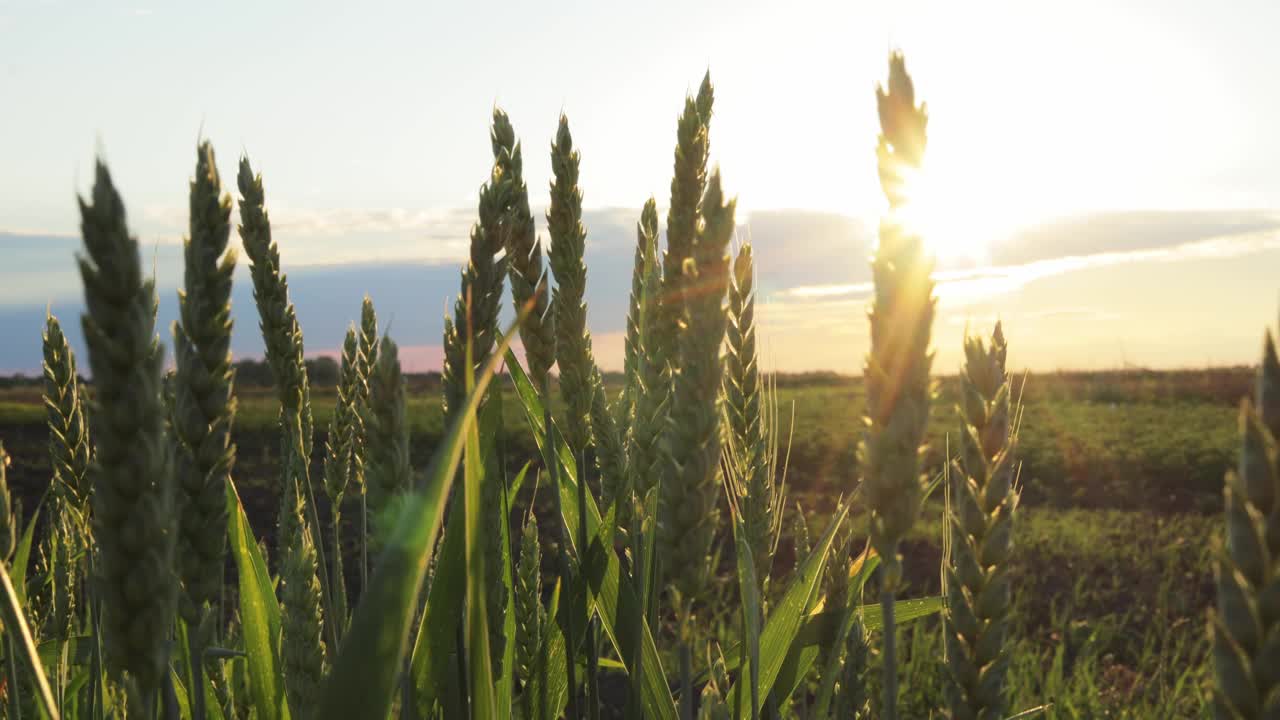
(131, 473)
(897, 368)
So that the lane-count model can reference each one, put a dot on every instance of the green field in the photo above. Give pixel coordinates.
(1121, 472)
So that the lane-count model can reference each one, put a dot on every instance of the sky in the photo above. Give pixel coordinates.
(1102, 177)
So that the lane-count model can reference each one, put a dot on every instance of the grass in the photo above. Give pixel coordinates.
(1120, 592)
(1138, 448)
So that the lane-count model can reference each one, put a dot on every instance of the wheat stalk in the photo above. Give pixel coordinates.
(131, 472)
(688, 183)
(1246, 625)
(475, 311)
(283, 339)
(568, 243)
(978, 595)
(387, 471)
(529, 613)
(646, 460)
(356, 378)
(277, 319)
(204, 408)
(897, 369)
(55, 602)
(368, 340)
(624, 409)
(528, 278)
(610, 456)
(68, 432)
(689, 512)
(743, 407)
(303, 653)
(345, 426)
(852, 700)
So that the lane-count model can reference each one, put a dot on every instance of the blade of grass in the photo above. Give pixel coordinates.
(22, 558)
(431, 669)
(482, 702)
(785, 620)
(259, 614)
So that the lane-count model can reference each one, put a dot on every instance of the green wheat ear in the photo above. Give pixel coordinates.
(131, 472)
(475, 310)
(898, 384)
(342, 459)
(530, 615)
(689, 512)
(852, 700)
(743, 404)
(204, 408)
(281, 333)
(979, 601)
(1245, 629)
(68, 430)
(386, 424)
(688, 183)
(652, 381)
(303, 652)
(568, 243)
(528, 278)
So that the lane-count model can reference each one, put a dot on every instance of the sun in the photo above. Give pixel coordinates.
(948, 216)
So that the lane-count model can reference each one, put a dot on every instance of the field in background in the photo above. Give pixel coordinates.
(1122, 474)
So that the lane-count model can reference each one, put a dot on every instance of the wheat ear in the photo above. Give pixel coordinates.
(689, 511)
(386, 424)
(529, 284)
(204, 408)
(568, 243)
(984, 501)
(1245, 629)
(131, 472)
(898, 384)
(744, 410)
(64, 410)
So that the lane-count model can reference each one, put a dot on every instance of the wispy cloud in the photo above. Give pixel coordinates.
(961, 286)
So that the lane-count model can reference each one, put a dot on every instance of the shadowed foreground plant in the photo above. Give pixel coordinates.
(133, 494)
(897, 369)
(1245, 630)
(979, 601)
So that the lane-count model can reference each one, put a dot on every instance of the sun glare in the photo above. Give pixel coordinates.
(952, 222)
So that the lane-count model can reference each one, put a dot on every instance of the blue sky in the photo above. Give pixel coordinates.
(1104, 176)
